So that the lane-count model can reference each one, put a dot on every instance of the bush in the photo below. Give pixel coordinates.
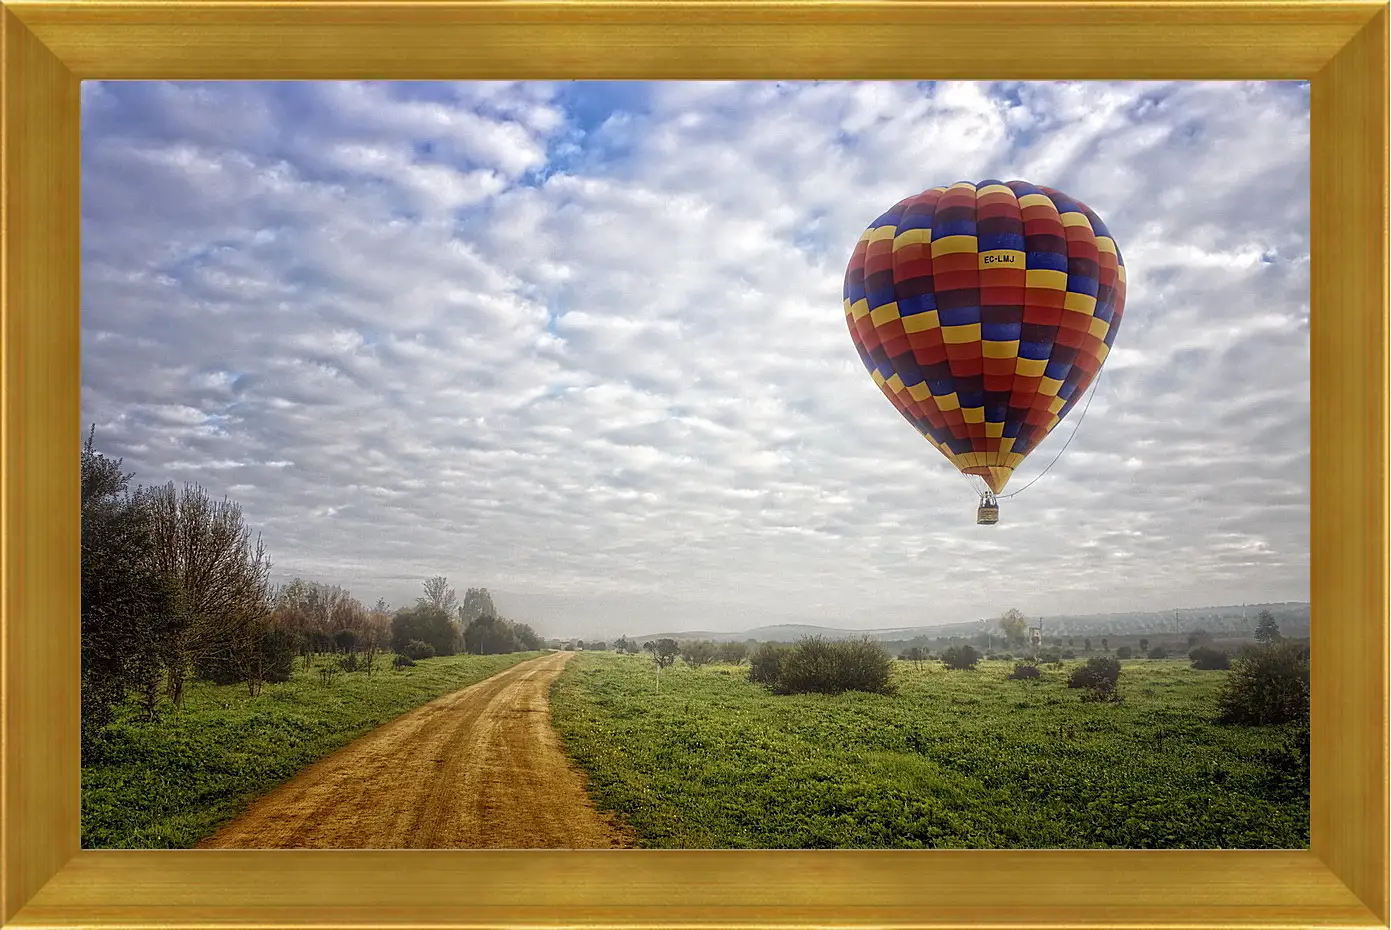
(960, 657)
(1023, 672)
(346, 641)
(401, 662)
(1100, 674)
(415, 649)
(1158, 652)
(765, 663)
(278, 648)
(1208, 659)
(1268, 684)
(1046, 657)
(699, 652)
(1124, 652)
(815, 665)
(1069, 654)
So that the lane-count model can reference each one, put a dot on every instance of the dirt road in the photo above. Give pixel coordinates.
(479, 768)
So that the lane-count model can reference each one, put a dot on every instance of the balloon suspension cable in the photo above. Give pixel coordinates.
(1090, 397)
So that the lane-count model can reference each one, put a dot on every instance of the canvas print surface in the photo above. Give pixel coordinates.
(695, 465)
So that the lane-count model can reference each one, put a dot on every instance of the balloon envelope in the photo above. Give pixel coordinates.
(983, 312)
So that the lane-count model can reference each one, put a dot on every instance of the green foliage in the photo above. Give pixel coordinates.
(1099, 677)
(489, 635)
(1208, 659)
(1267, 630)
(1158, 652)
(974, 761)
(415, 649)
(733, 653)
(401, 662)
(1268, 684)
(345, 641)
(1124, 652)
(696, 653)
(427, 624)
(817, 665)
(1025, 672)
(765, 663)
(127, 602)
(169, 783)
(961, 657)
(664, 652)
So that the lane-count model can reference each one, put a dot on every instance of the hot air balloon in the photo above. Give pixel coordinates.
(983, 312)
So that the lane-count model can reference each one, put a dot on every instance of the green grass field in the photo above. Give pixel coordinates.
(170, 783)
(954, 759)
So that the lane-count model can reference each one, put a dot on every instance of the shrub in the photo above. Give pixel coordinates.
(1124, 652)
(1206, 658)
(699, 652)
(1069, 654)
(765, 663)
(415, 649)
(349, 662)
(816, 665)
(1050, 657)
(346, 641)
(1158, 652)
(1100, 674)
(401, 662)
(1023, 672)
(960, 657)
(1268, 684)
(278, 648)
(733, 653)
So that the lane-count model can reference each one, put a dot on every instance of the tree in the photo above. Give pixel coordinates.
(623, 644)
(477, 603)
(1267, 630)
(699, 652)
(426, 624)
(527, 638)
(733, 653)
(1087, 644)
(127, 602)
(1014, 624)
(1105, 644)
(223, 596)
(1144, 644)
(489, 635)
(664, 652)
(439, 595)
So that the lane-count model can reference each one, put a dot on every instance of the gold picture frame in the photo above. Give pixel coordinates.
(49, 47)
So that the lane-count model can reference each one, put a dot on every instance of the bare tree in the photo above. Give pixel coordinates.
(439, 595)
(220, 575)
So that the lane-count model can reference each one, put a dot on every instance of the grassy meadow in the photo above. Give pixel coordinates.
(169, 783)
(952, 759)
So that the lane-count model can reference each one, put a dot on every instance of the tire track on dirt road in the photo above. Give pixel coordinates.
(481, 768)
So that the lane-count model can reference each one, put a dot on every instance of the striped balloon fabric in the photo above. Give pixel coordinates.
(983, 312)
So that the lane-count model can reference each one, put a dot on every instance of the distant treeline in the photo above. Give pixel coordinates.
(175, 587)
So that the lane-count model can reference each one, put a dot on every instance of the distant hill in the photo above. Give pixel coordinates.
(1293, 618)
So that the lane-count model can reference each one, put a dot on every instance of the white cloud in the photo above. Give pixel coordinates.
(595, 360)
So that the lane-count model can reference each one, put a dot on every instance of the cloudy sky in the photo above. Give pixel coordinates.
(583, 344)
